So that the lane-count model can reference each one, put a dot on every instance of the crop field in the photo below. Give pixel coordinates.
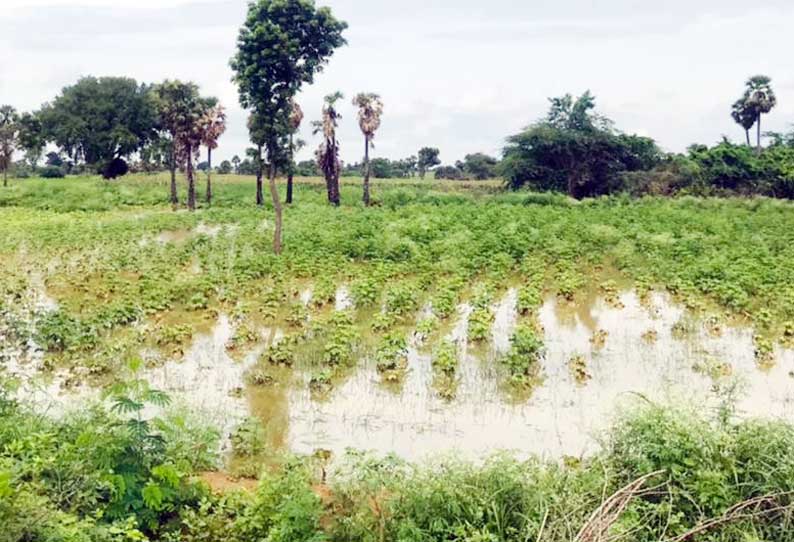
(446, 318)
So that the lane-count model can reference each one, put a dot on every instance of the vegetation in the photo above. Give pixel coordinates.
(281, 46)
(370, 109)
(97, 275)
(106, 474)
(101, 121)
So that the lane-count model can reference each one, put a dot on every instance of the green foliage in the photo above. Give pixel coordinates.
(281, 46)
(391, 357)
(575, 151)
(100, 119)
(427, 159)
(523, 359)
(445, 358)
(342, 338)
(285, 509)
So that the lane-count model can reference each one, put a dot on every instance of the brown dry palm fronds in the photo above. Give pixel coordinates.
(605, 516)
(749, 509)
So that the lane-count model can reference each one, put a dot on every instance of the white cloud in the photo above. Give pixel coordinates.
(457, 74)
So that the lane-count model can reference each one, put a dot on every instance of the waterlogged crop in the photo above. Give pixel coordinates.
(445, 366)
(445, 358)
(342, 337)
(426, 326)
(480, 323)
(529, 299)
(391, 357)
(522, 361)
(281, 352)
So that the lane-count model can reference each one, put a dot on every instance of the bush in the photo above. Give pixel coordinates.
(115, 168)
(52, 172)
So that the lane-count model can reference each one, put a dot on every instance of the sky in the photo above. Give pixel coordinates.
(460, 75)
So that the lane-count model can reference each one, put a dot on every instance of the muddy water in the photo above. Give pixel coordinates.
(564, 416)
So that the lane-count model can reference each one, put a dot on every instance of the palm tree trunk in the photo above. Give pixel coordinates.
(758, 149)
(747, 133)
(209, 175)
(174, 195)
(276, 208)
(5, 177)
(191, 181)
(334, 185)
(260, 199)
(291, 170)
(366, 170)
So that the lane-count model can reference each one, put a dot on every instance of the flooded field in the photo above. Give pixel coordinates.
(599, 354)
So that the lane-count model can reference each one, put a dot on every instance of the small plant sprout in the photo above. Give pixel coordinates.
(599, 339)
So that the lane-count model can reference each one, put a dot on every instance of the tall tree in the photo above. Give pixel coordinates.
(760, 100)
(742, 114)
(101, 121)
(214, 125)
(282, 45)
(182, 114)
(427, 159)
(328, 152)
(9, 132)
(295, 119)
(236, 164)
(370, 110)
(257, 134)
(31, 138)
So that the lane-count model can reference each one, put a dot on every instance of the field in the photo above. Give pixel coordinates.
(450, 318)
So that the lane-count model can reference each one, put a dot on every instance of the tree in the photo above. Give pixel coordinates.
(236, 163)
(743, 115)
(479, 166)
(31, 138)
(225, 168)
(428, 159)
(54, 159)
(281, 46)
(9, 132)
(760, 99)
(258, 135)
(453, 173)
(307, 168)
(213, 127)
(576, 151)
(295, 119)
(183, 114)
(99, 120)
(370, 109)
(328, 152)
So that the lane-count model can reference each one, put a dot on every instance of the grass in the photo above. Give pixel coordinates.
(127, 272)
(99, 475)
(114, 254)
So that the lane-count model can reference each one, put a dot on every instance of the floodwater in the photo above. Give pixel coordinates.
(563, 416)
(631, 351)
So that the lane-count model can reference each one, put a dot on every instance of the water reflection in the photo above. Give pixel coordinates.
(563, 417)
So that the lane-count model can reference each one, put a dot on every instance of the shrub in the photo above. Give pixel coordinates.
(52, 172)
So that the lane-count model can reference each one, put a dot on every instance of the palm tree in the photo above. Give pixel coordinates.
(743, 116)
(214, 125)
(295, 119)
(370, 109)
(236, 163)
(760, 99)
(328, 153)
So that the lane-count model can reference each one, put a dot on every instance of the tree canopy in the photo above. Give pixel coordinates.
(97, 120)
(575, 150)
(281, 45)
(428, 158)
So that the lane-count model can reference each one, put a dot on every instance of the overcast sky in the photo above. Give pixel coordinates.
(457, 74)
